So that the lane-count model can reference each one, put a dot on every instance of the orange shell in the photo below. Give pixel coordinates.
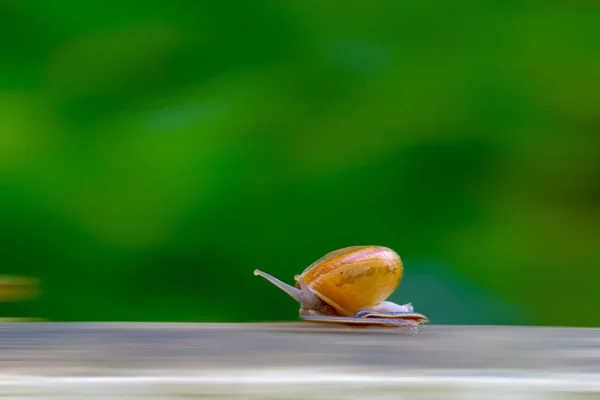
(354, 277)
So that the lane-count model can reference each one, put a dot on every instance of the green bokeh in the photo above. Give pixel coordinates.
(153, 154)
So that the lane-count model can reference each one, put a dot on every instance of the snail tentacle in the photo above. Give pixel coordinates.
(292, 291)
(309, 300)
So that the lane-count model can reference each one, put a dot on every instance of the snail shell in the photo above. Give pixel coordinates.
(354, 278)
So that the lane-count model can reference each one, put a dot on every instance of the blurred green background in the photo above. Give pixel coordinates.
(153, 154)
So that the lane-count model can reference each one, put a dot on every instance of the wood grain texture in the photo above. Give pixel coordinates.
(296, 360)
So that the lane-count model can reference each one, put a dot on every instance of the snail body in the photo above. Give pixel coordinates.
(350, 286)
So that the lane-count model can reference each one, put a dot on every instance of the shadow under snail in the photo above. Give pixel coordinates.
(350, 286)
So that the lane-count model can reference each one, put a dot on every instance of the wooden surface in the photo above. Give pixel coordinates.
(295, 360)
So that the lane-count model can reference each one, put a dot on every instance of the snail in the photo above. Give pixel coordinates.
(350, 286)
